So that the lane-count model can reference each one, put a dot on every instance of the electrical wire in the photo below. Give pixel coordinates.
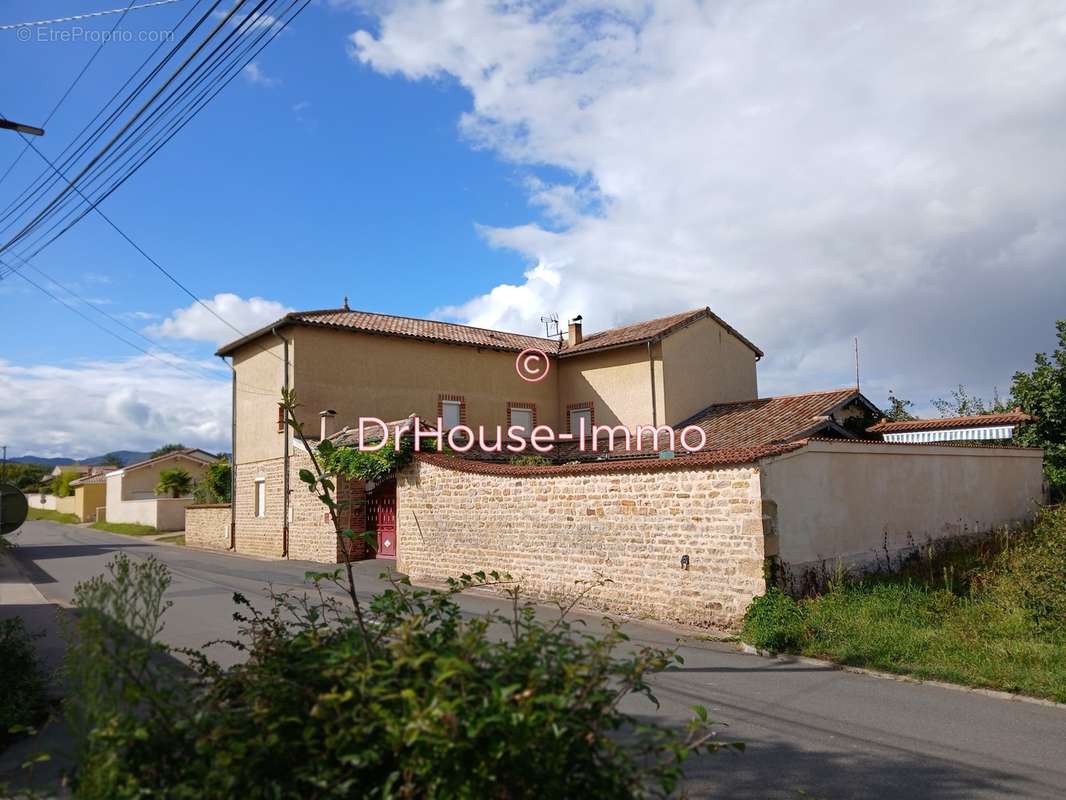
(70, 88)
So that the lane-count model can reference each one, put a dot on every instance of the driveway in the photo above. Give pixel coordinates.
(811, 730)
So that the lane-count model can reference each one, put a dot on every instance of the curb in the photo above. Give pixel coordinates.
(786, 658)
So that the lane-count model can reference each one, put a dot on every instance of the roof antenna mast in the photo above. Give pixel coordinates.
(856, 363)
(551, 321)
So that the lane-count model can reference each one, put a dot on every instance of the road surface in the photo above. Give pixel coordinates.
(811, 731)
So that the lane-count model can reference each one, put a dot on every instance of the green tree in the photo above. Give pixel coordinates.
(61, 483)
(214, 487)
(175, 480)
(963, 404)
(1042, 393)
(27, 477)
(115, 460)
(897, 408)
(167, 448)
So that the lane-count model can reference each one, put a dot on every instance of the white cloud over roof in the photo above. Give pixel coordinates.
(811, 171)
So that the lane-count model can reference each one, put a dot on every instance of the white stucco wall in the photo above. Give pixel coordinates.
(840, 500)
(46, 502)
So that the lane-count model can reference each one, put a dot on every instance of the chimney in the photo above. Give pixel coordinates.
(328, 425)
(574, 332)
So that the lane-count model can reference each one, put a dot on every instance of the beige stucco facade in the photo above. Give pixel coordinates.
(848, 501)
(131, 493)
(704, 364)
(87, 499)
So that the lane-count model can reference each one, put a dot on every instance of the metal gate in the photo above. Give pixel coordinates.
(381, 518)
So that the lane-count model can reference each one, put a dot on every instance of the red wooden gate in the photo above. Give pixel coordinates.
(381, 518)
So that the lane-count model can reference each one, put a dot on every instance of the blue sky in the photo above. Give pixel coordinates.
(811, 173)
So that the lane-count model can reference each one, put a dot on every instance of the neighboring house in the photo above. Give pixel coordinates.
(977, 427)
(90, 497)
(131, 493)
(795, 478)
(72, 504)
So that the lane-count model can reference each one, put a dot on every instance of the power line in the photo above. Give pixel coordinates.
(242, 386)
(21, 200)
(70, 88)
(104, 328)
(187, 85)
(95, 207)
(130, 7)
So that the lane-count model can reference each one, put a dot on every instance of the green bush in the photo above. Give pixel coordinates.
(1033, 572)
(421, 701)
(23, 689)
(774, 622)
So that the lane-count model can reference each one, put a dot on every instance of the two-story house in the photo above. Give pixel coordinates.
(358, 364)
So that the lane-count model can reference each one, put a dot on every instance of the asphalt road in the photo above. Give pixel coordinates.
(811, 731)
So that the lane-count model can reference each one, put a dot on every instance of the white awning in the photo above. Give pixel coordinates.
(953, 434)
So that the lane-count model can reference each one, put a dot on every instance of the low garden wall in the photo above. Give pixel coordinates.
(207, 526)
(552, 528)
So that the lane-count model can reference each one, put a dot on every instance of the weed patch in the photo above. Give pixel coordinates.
(991, 614)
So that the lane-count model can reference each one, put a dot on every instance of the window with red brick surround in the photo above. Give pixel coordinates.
(530, 407)
(452, 398)
(585, 406)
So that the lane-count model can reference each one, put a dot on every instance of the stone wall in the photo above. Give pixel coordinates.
(551, 527)
(311, 533)
(207, 526)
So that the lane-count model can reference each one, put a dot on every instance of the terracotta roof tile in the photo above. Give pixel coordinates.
(707, 458)
(430, 330)
(454, 333)
(99, 477)
(768, 420)
(972, 421)
(642, 331)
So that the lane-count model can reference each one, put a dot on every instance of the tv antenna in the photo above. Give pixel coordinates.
(550, 322)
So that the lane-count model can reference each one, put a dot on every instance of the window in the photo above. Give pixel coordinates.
(522, 418)
(281, 418)
(451, 408)
(260, 497)
(451, 413)
(576, 416)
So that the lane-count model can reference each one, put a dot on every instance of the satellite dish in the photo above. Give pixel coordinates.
(13, 508)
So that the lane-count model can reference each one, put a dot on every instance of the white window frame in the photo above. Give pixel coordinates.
(260, 497)
(447, 404)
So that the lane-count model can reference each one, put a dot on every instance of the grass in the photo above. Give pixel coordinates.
(991, 615)
(125, 528)
(52, 516)
(176, 539)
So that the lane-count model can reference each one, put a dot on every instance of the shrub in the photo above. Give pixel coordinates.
(531, 461)
(425, 702)
(774, 622)
(174, 481)
(1033, 572)
(23, 690)
(215, 486)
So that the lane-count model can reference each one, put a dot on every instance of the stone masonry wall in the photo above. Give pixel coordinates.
(207, 526)
(311, 533)
(630, 526)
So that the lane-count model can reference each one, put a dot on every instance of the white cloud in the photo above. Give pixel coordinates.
(811, 171)
(256, 77)
(196, 322)
(94, 407)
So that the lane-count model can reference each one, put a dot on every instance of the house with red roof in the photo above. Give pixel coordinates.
(675, 529)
